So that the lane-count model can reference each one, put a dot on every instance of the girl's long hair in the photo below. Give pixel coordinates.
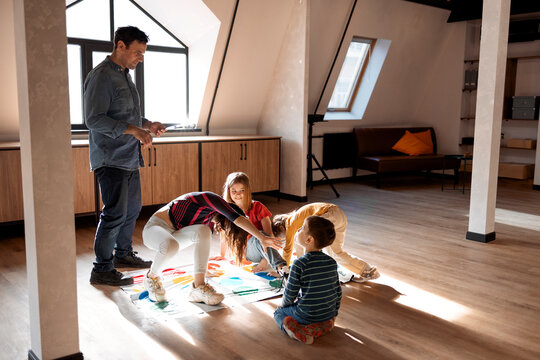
(238, 178)
(235, 236)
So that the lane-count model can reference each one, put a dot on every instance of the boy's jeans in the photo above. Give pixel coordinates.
(282, 312)
(255, 253)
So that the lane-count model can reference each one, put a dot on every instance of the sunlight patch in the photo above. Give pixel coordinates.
(354, 338)
(265, 308)
(425, 301)
(179, 330)
(517, 219)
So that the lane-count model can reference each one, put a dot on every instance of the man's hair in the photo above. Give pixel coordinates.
(322, 231)
(128, 34)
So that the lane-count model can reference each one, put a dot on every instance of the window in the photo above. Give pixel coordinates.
(351, 73)
(161, 80)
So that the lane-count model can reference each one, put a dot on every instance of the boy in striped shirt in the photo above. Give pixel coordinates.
(313, 293)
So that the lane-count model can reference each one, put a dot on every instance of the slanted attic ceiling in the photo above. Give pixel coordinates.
(462, 10)
(524, 22)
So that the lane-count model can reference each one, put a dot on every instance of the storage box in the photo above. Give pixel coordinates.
(525, 101)
(525, 113)
(521, 143)
(516, 170)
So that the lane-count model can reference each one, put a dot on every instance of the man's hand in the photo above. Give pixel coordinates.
(155, 127)
(142, 135)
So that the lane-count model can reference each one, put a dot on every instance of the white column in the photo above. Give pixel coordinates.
(487, 132)
(45, 135)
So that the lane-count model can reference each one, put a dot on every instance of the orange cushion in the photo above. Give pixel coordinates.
(425, 136)
(410, 144)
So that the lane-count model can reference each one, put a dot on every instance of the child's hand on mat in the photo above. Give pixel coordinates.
(271, 242)
(261, 266)
(258, 268)
(214, 273)
(217, 258)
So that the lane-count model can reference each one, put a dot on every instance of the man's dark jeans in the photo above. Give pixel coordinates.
(121, 196)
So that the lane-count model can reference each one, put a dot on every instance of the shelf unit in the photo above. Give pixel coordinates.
(511, 128)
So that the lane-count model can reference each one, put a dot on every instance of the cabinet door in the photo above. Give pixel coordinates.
(11, 194)
(175, 171)
(146, 176)
(263, 164)
(218, 160)
(83, 182)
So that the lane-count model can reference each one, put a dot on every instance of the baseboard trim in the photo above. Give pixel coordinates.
(536, 187)
(484, 238)
(77, 356)
(336, 180)
(293, 197)
(369, 177)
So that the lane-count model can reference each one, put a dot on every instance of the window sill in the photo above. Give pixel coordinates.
(83, 134)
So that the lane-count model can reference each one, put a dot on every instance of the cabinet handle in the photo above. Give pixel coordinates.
(155, 157)
(241, 151)
(245, 152)
(149, 157)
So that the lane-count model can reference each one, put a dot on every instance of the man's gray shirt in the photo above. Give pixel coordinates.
(111, 103)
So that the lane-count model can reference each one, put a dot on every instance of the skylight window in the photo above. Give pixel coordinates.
(351, 73)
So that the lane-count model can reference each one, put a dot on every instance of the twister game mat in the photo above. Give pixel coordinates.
(239, 285)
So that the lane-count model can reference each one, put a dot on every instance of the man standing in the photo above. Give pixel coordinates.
(117, 130)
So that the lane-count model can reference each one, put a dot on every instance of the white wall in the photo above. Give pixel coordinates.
(420, 82)
(285, 110)
(256, 41)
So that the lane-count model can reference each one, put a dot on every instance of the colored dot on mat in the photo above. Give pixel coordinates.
(245, 290)
(231, 281)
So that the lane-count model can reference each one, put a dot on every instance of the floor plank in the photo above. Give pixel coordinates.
(439, 296)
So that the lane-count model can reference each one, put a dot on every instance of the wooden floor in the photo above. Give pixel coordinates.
(439, 297)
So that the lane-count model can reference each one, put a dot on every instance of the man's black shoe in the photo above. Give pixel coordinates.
(131, 260)
(113, 278)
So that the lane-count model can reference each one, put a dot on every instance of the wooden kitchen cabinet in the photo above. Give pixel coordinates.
(11, 200)
(11, 195)
(174, 166)
(83, 182)
(170, 170)
(259, 159)
(263, 164)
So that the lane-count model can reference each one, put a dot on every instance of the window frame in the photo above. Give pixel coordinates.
(90, 45)
(359, 74)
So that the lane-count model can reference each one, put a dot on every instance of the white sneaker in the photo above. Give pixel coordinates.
(345, 275)
(156, 292)
(370, 273)
(206, 294)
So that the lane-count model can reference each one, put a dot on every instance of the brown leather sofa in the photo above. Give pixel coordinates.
(375, 153)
